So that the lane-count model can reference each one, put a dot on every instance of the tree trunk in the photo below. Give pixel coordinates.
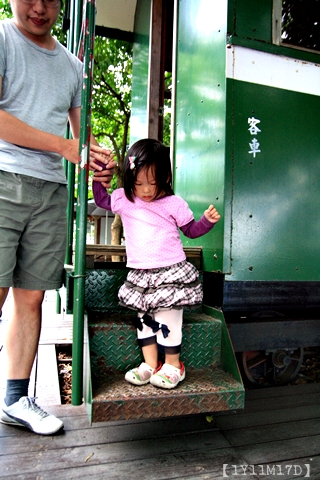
(116, 234)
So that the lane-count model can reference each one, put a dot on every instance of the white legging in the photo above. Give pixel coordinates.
(173, 319)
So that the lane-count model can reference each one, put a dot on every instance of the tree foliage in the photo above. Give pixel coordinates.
(5, 10)
(111, 106)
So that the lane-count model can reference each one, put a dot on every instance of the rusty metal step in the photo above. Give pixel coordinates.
(203, 391)
(213, 381)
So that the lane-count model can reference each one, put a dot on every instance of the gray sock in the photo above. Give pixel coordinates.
(15, 390)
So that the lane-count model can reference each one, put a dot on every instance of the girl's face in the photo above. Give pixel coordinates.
(145, 186)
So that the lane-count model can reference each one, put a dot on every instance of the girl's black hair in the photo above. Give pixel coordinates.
(149, 154)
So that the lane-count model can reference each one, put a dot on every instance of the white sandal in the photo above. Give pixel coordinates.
(142, 374)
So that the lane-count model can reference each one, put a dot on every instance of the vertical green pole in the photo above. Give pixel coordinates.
(72, 7)
(73, 43)
(81, 214)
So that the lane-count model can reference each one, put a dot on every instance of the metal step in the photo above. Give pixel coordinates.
(203, 390)
(212, 382)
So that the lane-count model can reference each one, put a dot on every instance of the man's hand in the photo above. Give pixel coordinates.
(212, 214)
(101, 161)
(98, 156)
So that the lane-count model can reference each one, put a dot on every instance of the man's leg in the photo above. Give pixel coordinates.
(23, 332)
(21, 344)
(33, 246)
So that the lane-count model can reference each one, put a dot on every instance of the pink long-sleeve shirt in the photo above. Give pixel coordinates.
(152, 228)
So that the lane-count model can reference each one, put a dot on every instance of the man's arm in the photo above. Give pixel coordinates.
(15, 131)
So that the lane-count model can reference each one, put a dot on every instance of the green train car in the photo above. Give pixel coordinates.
(245, 103)
(245, 108)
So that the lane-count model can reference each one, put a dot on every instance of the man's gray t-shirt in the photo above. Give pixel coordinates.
(39, 87)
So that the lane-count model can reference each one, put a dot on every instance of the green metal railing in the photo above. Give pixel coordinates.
(86, 54)
(72, 24)
(74, 34)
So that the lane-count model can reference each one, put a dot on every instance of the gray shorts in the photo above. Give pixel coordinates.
(33, 230)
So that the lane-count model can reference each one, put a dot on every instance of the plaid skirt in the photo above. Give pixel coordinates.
(162, 288)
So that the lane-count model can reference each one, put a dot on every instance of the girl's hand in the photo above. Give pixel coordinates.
(99, 157)
(101, 161)
(212, 214)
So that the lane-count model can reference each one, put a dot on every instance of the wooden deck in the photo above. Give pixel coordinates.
(277, 435)
(279, 427)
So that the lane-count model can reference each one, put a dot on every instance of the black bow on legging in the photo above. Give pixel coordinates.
(148, 320)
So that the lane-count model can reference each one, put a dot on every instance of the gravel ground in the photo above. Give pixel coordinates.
(310, 369)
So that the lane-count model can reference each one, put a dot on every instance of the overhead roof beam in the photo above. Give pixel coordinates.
(114, 33)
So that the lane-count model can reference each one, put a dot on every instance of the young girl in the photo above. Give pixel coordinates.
(161, 282)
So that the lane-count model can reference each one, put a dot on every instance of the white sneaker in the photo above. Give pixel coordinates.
(26, 413)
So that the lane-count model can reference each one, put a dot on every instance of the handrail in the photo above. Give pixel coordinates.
(88, 27)
(98, 249)
(73, 41)
(95, 252)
